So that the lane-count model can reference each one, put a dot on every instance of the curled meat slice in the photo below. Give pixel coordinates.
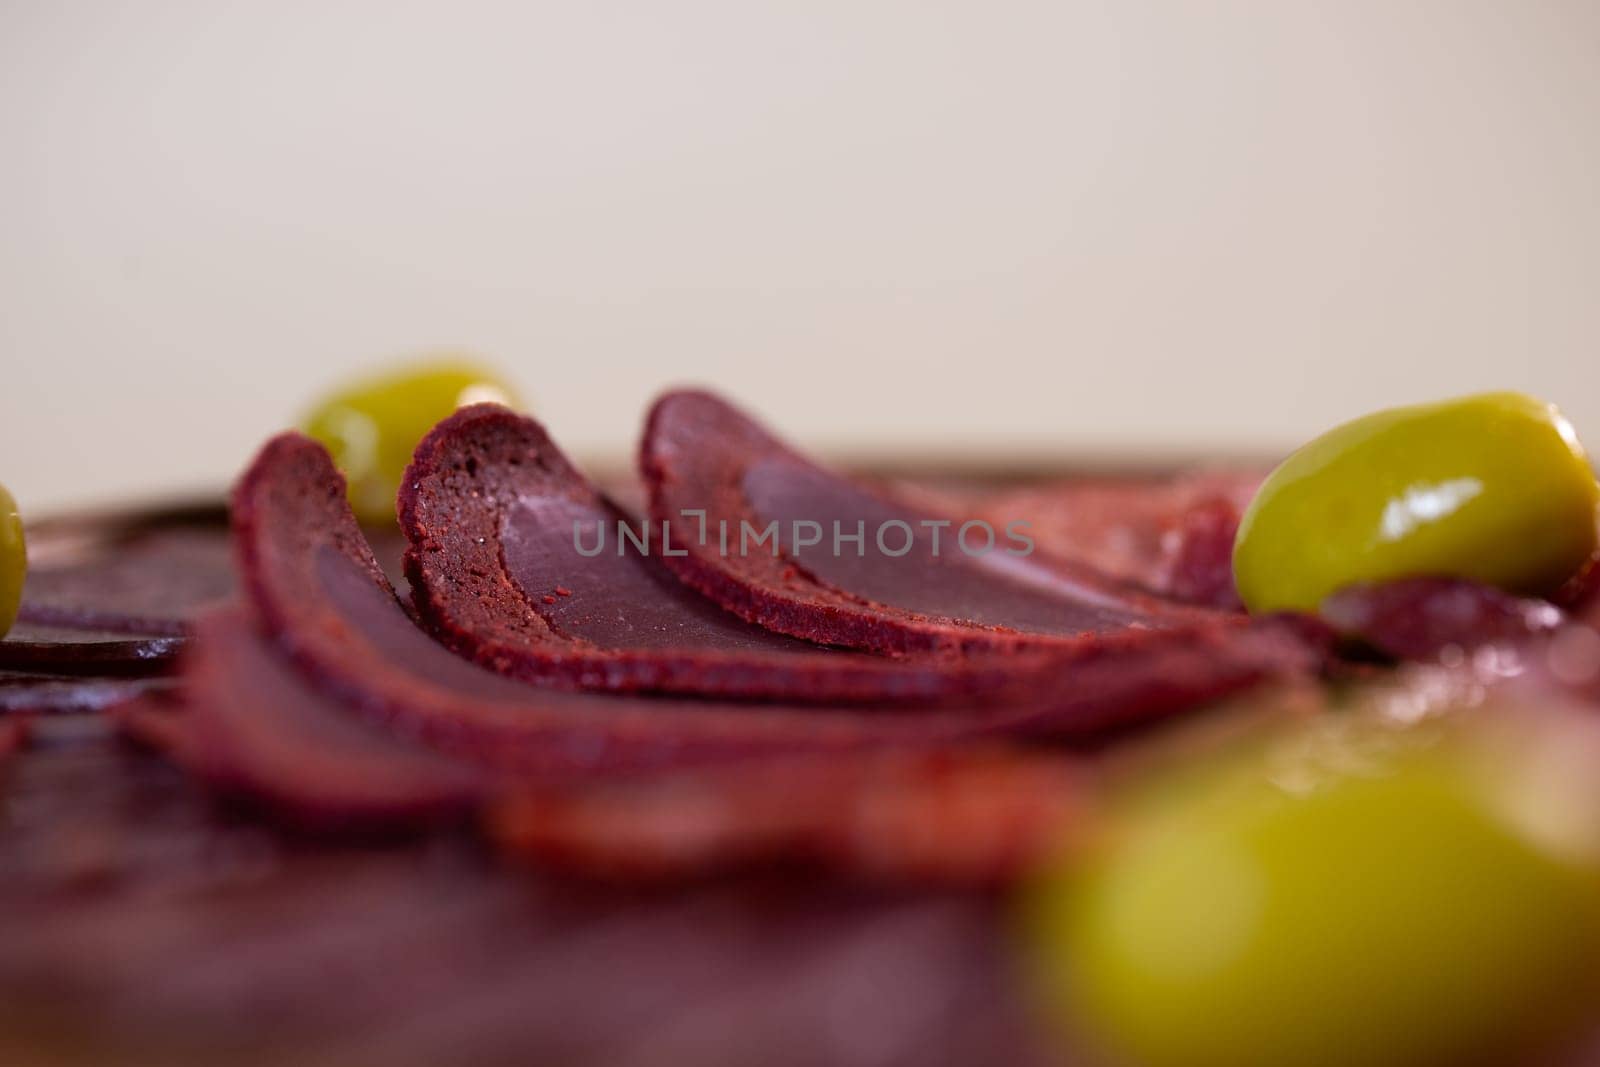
(806, 552)
(516, 562)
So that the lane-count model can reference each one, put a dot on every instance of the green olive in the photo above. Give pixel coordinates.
(13, 560)
(371, 427)
(1389, 919)
(1494, 488)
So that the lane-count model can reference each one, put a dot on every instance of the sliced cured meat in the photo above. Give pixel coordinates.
(112, 595)
(71, 650)
(962, 817)
(1163, 533)
(1418, 618)
(155, 720)
(28, 691)
(912, 582)
(141, 577)
(255, 729)
(322, 597)
(1492, 634)
(517, 562)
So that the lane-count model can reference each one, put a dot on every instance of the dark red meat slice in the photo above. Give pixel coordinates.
(72, 650)
(961, 817)
(700, 454)
(1492, 631)
(146, 578)
(254, 728)
(1159, 532)
(29, 691)
(322, 596)
(1418, 618)
(494, 514)
(112, 596)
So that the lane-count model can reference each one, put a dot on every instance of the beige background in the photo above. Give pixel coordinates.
(1059, 226)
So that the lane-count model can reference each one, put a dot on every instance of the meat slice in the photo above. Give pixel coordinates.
(913, 582)
(144, 576)
(1171, 534)
(113, 595)
(51, 693)
(31, 646)
(950, 816)
(1455, 621)
(260, 733)
(255, 729)
(517, 562)
(1418, 618)
(321, 595)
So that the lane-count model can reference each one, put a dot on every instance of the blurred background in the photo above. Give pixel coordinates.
(1067, 228)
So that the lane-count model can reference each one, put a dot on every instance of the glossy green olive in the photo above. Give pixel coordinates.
(371, 427)
(1386, 920)
(1494, 488)
(13, 560)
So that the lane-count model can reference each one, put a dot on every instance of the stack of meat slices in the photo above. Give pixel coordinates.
(106, 607)
(678, 709)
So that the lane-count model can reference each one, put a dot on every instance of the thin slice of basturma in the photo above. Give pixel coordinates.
(1171, 533)
(322, 597)
(112, 594)
(960, 817)
(878, 574)
(253, 728)
(71, 650)
(51, 693)
(1418, 618)
(136, 574)
(518, 563)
